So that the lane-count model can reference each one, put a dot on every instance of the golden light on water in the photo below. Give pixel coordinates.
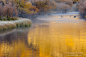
(59, 39)
(17, 49)
(50, 38)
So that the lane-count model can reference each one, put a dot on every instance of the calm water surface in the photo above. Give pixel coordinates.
(49, 36)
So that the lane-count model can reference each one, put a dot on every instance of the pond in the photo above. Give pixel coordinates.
(55, 35)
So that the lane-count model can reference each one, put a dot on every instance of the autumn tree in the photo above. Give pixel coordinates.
(8, 10)
(0, 10)
(25, 6)
(82, 9)
(45, 5)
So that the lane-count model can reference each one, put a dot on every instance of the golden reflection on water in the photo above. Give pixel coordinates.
(15, 45)
(60, 39)
(57, 38)
(17, 49)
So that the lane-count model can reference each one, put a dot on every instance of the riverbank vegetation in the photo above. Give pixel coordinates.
(31, 7)
(10, 9)
(7, 12)
(82, 9)
(20, 22)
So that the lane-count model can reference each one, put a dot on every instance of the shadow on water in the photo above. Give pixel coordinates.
(15, 44)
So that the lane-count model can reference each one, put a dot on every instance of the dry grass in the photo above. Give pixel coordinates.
(21, 22)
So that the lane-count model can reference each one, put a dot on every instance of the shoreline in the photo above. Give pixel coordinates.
(21, 22)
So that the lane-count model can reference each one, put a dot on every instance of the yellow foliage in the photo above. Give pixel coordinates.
(54, 4)
(46, 8)
(45, 5)
(28, 5)
(25, 6)
(4, 1)
(85, 16)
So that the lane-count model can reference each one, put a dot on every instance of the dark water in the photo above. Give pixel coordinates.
(54, 35)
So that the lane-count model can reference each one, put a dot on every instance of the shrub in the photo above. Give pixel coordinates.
(53, 4)
(76, 0)
(7, 11)
(82, 9)
(75, 7)
(0, 10)
(69, 2)
(45, 5)
(25, 6)
(62, 7)
(59, 1)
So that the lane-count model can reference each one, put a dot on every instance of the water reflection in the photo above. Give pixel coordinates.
(48, 37)
(15, 44)
(63, 38)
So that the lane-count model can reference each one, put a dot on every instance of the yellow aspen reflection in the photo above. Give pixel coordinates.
(53, 39)
(69, 41)
(59, 39)
(17, 49)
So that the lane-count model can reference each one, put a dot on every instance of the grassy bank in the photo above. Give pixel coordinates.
(20, 22)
